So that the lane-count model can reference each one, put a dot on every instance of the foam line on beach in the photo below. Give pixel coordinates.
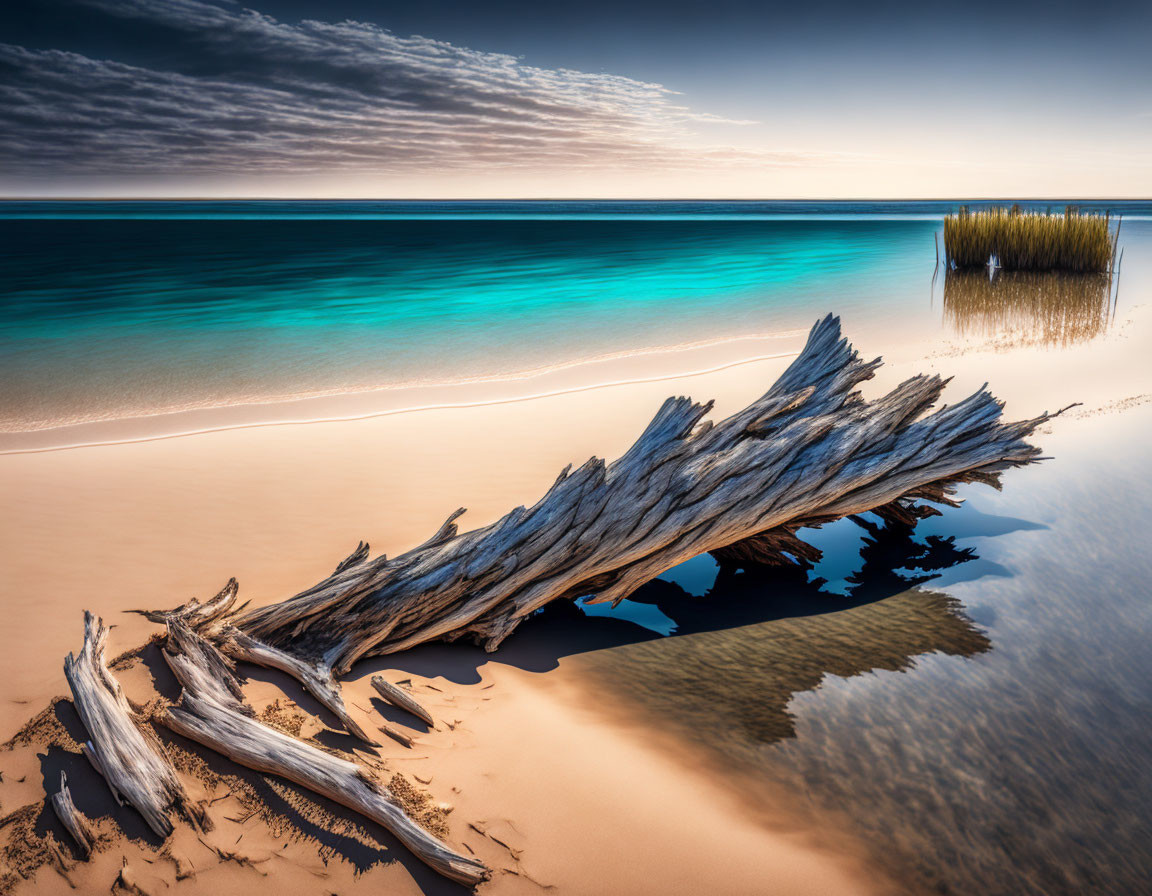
(388, 412)
(528, 373)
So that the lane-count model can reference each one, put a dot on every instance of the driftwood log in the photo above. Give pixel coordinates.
(809, 451)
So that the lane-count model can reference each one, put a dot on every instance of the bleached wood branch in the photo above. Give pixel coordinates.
(217, 717)
(121, 747)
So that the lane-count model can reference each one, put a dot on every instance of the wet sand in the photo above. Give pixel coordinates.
(587, 800)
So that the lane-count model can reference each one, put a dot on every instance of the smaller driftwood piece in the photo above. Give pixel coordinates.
(72, 818)
(401, 698)
(122, 748)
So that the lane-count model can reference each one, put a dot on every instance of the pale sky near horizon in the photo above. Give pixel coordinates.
(731, 99)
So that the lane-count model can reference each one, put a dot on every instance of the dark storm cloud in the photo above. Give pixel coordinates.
(228, 90)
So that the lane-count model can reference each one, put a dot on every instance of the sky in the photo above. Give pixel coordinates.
(597, 98)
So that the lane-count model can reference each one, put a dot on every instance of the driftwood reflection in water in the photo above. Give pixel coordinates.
(761, 635)
(1035, 308)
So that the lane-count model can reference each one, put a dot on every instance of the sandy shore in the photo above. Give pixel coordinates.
(542, 785)
(151, 523)
(535, 783)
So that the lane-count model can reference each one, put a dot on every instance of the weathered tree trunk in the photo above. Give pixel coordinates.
(216, 716)
(122, 748)
(810, 450)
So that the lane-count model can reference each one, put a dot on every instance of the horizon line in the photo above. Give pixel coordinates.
(1005, 198)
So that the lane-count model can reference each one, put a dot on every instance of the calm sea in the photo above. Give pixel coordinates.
(120, 309)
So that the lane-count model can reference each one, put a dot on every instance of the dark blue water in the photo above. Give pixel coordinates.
(538, 209)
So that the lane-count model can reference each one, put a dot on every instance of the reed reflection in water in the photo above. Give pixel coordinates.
(1031, 308)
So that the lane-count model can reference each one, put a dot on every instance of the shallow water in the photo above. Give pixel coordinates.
(975, 706)
(972, 697)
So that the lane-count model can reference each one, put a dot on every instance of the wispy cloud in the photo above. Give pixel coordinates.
(243, 93)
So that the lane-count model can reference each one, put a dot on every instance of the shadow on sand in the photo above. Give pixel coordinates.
(892, 560)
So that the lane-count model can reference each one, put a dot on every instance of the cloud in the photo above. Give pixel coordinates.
(237, 92)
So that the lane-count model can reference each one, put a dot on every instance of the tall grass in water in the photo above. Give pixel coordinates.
(1029, 241)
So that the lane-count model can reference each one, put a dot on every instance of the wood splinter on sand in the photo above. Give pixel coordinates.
(397, 735)
(809, 451)
(401, 698)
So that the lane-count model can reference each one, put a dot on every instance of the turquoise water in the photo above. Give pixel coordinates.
(115, 309)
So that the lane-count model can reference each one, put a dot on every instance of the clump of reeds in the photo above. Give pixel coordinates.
(1029, 241)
